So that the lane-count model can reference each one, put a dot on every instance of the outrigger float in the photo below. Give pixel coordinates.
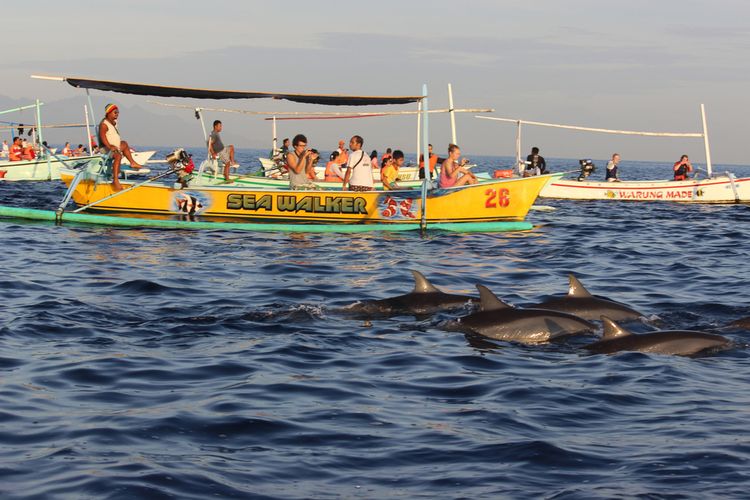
(714, 188)
(491, 206)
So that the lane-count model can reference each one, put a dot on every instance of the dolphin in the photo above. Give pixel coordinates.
(743, 323)
(587, 306)
(680, 342)
(424, 299)
(500, 321)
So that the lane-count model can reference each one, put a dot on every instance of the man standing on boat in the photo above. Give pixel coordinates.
(434, 160)
(612, 169)
(217, 150)
(110, 140)
(299, 163)
(358, 167)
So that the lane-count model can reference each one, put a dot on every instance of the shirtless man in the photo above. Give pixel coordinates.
(110, 140)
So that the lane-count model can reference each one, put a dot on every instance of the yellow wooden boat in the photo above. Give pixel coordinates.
(489, 201)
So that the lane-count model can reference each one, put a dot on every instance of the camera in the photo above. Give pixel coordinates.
(587, 168)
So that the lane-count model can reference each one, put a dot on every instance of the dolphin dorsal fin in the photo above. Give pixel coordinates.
(612, 330)
(421, 284)
(488, 301)
(576, 288)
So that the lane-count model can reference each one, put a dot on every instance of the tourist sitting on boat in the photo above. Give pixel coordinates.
(28, 151)
(389, 174)
(217, 150)
(110, 140)
(535, 164)
(285, 146)
(434, 161)
(453, 173)
(682, 168)
(388, 154)
(611, 175)
(16, 150)
(6, 151)
(66, 151)
(358, 169)
(315, 157)
(333, 171)
(81, 151)
(299, 163)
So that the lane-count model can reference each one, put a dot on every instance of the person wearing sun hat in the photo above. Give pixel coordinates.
(109, 139)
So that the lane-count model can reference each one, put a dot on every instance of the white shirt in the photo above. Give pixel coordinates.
(362, 173)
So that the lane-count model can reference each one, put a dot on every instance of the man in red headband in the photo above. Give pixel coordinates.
(109, 138)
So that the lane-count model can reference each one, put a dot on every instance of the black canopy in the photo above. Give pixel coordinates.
(163, 91)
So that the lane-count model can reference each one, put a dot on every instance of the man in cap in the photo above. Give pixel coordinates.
(109, 138)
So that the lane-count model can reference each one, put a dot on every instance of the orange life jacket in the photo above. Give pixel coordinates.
(15, 153)
(433, 162)
(28, 153)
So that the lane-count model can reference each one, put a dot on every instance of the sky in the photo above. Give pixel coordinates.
(637, 65)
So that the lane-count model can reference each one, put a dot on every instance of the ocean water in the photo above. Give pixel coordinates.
(179, 364)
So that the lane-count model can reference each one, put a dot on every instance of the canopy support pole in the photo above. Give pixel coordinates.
(519, 166)
(40, 138)
(452, 112)
(88, 129)
(275, 138)
(426, 182)
(705, 141)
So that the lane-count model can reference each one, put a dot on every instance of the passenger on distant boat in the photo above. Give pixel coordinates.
(81, 151)
(217, 150)
(66, 151)
(374, 159)
(333, 171)
(285, 146)
(612, 169)
(682, 168)
(453, 173)
(434, 160)
(16, 150)
(299, 162)
(6, 151)
(358, 169)
(28, 151)
(343, 153)
(535, 164)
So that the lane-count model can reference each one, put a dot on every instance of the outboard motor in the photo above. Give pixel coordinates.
(587, 168)
(182, 163)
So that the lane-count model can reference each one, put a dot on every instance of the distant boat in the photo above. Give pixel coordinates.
(39, 169)
(716, 189)
(713, 188)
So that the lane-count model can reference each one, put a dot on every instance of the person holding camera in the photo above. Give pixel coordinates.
(682, 168)
(301, 164)
(453, 173)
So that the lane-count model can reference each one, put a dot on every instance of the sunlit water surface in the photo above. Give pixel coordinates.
(165, 363)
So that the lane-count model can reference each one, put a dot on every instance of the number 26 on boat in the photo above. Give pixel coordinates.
(497, 197)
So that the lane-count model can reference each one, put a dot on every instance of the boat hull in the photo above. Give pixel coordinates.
(717, 189)
(502, 200)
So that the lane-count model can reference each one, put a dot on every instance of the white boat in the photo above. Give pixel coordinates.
(714, 188)
(724, 188)
(39, 169)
